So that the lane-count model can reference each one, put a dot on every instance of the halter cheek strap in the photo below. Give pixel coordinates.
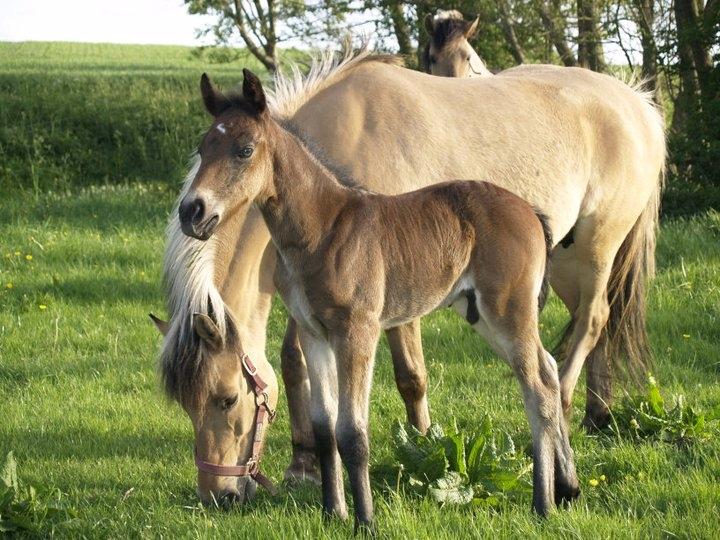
(264, 415)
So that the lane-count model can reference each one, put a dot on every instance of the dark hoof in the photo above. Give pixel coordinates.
(303, 468)
(595, 421)
(566, 493)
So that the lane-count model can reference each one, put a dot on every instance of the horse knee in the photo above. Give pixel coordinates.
(352, 444)
(292, 362)
(411, 385)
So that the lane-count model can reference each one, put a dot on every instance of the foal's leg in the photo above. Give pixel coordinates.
(323, 413)
(355, 353)
(410, 375)
(303, 465)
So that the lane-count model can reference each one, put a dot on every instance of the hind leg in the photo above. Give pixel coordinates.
(595, 251)
(514, 336)
(410, 375)
(565, 281)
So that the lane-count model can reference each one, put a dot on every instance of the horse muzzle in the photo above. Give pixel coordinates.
(195, 220)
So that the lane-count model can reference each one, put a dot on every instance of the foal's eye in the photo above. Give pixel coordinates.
(245, 152)
(229, 403)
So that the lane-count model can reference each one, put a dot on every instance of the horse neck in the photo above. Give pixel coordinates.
(305, 197)
(243, 270)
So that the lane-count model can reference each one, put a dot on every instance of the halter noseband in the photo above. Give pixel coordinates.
(264, 415)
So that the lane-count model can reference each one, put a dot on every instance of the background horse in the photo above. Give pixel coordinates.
(584, 148)
(448, 52)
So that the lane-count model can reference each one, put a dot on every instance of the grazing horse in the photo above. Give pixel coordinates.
(585, 149)
(448, 52)
(471, 245)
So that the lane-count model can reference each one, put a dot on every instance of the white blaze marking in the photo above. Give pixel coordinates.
(221, 128)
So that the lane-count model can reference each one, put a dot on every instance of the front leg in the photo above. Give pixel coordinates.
(322, 372)
(303, 465)
(410, 374)
(355, 354)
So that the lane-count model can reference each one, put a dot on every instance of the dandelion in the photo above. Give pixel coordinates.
(603, 478)
(17, 253)
(142, 273)
(28, 257)
(634, 424)
(9, 285)
(593, 482)
(686, 336)
(42, 307)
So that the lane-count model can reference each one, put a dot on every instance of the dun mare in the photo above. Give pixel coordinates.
(351, 263)
(583, 148)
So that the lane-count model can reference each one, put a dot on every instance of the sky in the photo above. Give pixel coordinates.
(118, 21)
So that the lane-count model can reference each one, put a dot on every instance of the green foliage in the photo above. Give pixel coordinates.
(25, 510)
(647, 416)
(483, 468)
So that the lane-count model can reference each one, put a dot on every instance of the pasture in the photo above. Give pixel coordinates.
(93, 140)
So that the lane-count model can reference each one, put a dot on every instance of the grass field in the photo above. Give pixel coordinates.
(80, 404)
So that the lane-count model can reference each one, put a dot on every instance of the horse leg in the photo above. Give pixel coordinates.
(594, 254)
(355, 354)
(514, 336)
(322, 372)
(564, 279)
(303, 465)
(410, 374)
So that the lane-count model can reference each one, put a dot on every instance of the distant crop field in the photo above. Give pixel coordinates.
(93, 144)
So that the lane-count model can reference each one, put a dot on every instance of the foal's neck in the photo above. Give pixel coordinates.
(305, 197)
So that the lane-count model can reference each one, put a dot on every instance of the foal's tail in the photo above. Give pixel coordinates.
(547, 233)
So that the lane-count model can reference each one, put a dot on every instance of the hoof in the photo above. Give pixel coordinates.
(303, 468)
(566, 493)
(596, 421)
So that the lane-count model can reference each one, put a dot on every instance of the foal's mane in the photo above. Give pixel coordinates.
(189, 264)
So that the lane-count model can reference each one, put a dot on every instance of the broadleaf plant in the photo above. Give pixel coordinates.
(647, 416)
(482, 468)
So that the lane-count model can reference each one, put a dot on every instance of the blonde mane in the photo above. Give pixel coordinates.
(189, 264)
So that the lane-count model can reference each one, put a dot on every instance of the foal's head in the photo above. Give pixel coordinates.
(203, 371)
(235, 160)
(448, 52)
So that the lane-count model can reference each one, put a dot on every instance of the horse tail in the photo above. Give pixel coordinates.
(547, 233)
(625, 334)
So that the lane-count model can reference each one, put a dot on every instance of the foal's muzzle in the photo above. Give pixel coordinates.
(194, 220)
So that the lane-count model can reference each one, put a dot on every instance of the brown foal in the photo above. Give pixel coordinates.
(352, 262)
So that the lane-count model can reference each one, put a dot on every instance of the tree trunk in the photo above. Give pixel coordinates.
(590, 51)
(400, 27)
(645, 19)
(509, 30)
(688, 98)
(556, 33)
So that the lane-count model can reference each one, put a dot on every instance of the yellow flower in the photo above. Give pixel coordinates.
(593, 482)
(42, 307)
(28, 257)
(686, 336)
(17, 253)
(603, 478)
(9, 285)
(142, 273)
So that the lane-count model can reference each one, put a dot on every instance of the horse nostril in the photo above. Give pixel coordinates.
(198, 210)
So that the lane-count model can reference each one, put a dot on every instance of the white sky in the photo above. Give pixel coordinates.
(119, 21)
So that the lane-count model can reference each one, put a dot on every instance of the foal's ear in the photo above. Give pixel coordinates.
(253, 91)
(162, 326)
(215, 101)
(472, 29)
(429, 23)
(207, 330)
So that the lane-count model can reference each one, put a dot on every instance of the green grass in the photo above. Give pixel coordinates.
(80, 403)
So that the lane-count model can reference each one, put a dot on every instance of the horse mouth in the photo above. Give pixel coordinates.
(201, 231)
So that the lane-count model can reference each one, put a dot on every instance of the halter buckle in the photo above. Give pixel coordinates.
(252, 372)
